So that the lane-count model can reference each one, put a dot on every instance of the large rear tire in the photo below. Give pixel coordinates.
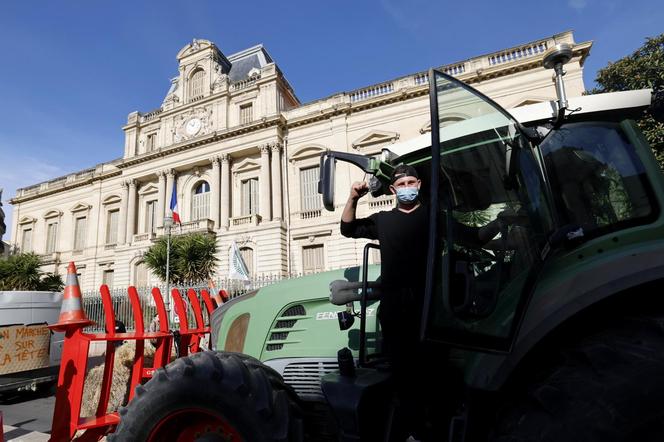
(607, 387)
(211, 396)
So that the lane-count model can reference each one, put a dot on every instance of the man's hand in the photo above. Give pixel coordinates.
(358, 190)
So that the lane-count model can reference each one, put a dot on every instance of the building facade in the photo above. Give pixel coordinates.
(242, 153)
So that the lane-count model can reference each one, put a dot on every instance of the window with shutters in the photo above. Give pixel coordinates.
(80, 231)
(246, 113)
(249, 196)
(309, 196)
(196, 84)
(150, 216)
(26, 240)
(107, 278)
(141, 275)
(51, 236)
(151, 142)
(112, 226)
(200, 202)
(247, 254)
(312, 259)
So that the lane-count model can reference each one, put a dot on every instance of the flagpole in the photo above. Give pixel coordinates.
(168, 223)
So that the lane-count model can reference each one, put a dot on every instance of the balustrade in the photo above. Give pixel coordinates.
(519, 53)
(381, 202)
(151, 115)
(309, 214)
(370, 92)
(246, 220)
(245, 83)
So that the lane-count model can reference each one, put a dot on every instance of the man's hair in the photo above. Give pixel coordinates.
(403, 170)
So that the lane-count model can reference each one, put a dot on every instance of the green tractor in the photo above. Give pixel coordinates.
(553, 330)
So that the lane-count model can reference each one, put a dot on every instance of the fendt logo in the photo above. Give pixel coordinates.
(326, 316)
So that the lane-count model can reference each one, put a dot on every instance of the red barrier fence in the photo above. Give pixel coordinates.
(66, 416)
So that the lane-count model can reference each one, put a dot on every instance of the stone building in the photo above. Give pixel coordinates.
(243, 152)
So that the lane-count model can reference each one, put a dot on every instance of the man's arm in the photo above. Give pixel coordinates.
(357, 191)
(351, 227)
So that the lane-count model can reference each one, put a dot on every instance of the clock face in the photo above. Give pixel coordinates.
(193, 126)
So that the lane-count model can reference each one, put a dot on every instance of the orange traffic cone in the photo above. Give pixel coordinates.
(71, 312)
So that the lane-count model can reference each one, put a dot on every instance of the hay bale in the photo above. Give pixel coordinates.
(122, 365)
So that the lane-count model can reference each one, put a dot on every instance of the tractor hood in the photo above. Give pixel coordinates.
(291, 318)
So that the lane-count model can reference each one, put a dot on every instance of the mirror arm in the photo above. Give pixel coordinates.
(365, 163)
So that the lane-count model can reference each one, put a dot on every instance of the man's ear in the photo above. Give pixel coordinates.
(393, 190)
(419, 184)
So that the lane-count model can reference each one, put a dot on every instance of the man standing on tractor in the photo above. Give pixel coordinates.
(402, 234)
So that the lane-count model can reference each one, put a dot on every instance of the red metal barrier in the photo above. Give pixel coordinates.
(66, 416)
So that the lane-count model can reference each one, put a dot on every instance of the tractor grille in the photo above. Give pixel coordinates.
(284, 325)
(305, 377)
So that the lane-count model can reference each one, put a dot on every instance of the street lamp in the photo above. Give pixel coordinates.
(168, 223)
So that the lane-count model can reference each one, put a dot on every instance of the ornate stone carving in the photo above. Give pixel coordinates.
(220, 80)
(201, 113)
(265, 149)
(275, 146)
(243, 240)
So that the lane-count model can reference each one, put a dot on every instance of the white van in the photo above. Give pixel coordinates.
(30, 353)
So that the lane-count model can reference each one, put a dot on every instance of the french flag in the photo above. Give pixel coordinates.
(174, 205)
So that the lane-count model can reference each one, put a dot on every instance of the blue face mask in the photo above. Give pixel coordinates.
(407, 195)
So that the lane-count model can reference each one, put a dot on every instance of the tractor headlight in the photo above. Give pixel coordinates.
(218, 316)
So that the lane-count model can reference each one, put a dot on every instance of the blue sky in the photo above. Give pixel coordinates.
(71, 71)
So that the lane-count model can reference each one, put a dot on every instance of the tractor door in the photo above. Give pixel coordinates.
(490, 220)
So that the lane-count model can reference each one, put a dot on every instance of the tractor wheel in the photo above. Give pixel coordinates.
(211, 396)
(607, 387)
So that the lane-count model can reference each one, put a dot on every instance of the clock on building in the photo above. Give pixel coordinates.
(193, 126)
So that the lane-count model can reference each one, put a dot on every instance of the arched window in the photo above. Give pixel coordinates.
(196, 84)
(200, 202)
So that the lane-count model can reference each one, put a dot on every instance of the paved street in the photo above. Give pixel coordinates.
(25, 413)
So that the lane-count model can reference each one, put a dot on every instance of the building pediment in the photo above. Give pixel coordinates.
(196, 45)
(52, 214)
(373, 138)
(246, 165)
(111, 199)
(148, 188)
(27, 220)
(306, 152)
(80, 207)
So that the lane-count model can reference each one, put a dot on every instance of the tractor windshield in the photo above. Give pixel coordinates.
(493, 220)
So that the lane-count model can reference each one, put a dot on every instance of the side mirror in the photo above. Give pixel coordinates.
(326, 182)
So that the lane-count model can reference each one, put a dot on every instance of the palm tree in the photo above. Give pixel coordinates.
(21, 272)
(192, 258)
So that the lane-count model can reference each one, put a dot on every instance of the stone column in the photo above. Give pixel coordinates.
(122, 221)
(276, 181)
(169, 192)
(131, 212)
(264, 203)
(225, 190)
(214, 192)
(161, 198)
